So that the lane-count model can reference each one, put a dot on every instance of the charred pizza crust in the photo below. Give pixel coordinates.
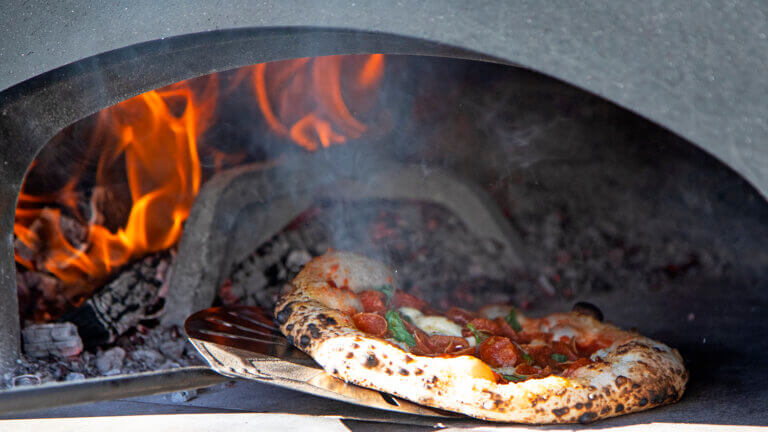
(635, 373)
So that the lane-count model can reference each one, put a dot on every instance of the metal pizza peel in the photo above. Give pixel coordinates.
(243, 342)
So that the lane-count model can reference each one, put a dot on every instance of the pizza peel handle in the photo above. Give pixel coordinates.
(243, 342)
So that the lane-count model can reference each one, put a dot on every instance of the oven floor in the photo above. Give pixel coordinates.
(719, 328)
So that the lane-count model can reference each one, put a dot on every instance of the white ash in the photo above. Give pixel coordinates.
(110, 360)
(146, 349)
(74, 376)
(182, 396)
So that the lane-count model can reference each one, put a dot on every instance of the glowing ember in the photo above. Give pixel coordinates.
(151, 143)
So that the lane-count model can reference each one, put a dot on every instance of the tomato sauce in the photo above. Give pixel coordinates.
(530, 353)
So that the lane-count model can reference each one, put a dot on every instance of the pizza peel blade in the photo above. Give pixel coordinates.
(243, 342)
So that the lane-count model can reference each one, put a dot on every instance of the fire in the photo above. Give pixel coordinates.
(152, 144)
(303, 99)
(157, 148)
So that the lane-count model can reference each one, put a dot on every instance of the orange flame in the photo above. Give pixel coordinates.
(158, 148)
(303, 99)
(150, 143)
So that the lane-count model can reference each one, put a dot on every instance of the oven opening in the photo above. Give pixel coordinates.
(478, 183)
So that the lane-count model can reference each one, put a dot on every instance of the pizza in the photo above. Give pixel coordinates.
(347, 312)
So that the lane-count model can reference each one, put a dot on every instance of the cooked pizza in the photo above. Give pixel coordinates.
(347, 312)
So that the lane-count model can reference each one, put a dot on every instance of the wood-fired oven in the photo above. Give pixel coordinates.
(160, 158)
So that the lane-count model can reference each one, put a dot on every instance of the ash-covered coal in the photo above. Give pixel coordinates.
(145, 349)
(439, 258)
(415, 238)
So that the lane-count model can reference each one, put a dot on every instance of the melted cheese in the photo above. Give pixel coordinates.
(561, 330)
(432, 324)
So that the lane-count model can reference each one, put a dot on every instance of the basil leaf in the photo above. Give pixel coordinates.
(514, 377)
(387, 290)
(512, 320)
(397, 327)
(527, 357)
(479, 335)
(559, 357)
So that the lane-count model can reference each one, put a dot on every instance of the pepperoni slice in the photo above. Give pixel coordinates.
(526, 369)
(483, 325)
(459, 316)
(373, 301)
(442, 344)
(403, 299)
(506, 330)
(499, 351)
(564, 349)
(541, 354)
(569, 369)
(371, 323)
(528, 337)
(587, 347)
(423, 345)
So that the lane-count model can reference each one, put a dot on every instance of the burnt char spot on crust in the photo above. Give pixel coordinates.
(404, 372)
(371, 361)
(621, 380)
(587, 417)
(418, 371)
(325, 319)
(434, 379)
(304, 341)
(388, 371)
(355, 346)
(350, 355)
(643, 402)
(657, 398)
(606, 409)
(619, 408)
(579, 405)
(673, 394)
(282, 316)
(409, 359)
(289, 327)
(625, 348)
(560, 411)
(313, 330)
(538, 398)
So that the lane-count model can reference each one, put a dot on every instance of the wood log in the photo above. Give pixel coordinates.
(132, 296)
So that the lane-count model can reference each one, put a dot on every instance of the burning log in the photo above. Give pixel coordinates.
(133, 296)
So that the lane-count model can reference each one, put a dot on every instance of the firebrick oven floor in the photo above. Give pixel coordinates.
(724, 352)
